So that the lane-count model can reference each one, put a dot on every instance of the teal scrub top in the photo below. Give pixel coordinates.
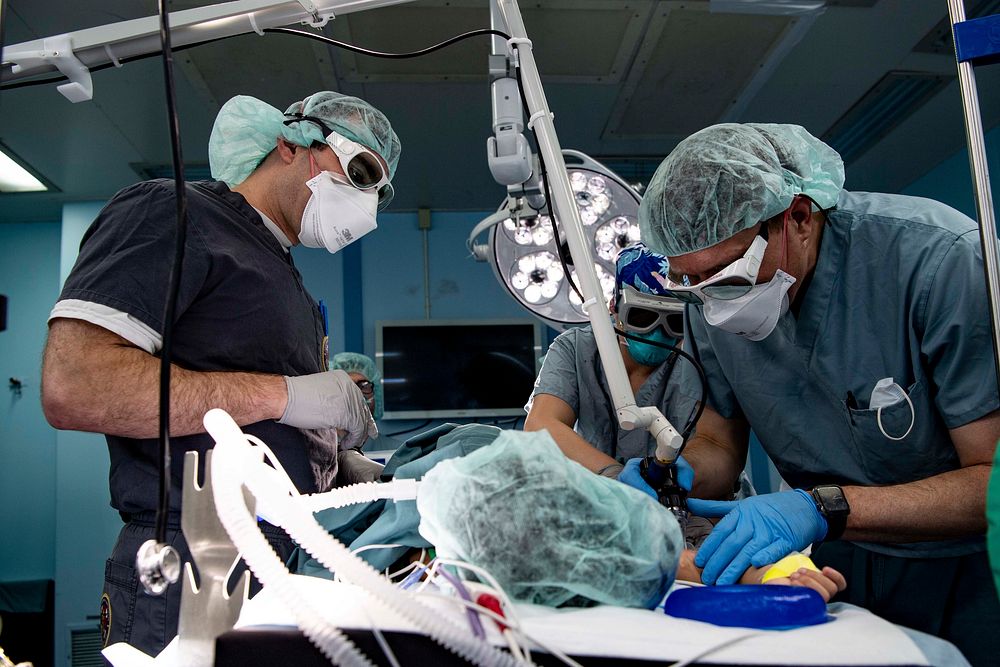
(898, 291)
(572, 371)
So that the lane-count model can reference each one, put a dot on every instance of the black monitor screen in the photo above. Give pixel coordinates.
(457, 370)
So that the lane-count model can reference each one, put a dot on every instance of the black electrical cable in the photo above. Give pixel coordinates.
(383, 54)
(700, 407)
(409, 430)
(180, 197)
(288, 31)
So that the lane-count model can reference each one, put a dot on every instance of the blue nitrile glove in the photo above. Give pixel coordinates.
(755, 531)
(631, 476)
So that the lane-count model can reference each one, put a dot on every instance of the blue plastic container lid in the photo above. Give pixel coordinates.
(765, 607)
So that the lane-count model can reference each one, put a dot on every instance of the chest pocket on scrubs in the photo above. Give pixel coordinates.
(924, 451)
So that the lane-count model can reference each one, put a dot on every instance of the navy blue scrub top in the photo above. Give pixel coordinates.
(241, 307)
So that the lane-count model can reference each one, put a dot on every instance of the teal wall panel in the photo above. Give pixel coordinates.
(29, 266)
(951, 181)
(323, 275)
(459, 286)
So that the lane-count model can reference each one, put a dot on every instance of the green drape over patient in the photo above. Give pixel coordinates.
(549, 530)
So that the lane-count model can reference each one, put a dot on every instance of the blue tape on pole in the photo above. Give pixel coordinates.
(978, 40)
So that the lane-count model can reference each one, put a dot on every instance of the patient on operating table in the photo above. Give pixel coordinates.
(553, 533)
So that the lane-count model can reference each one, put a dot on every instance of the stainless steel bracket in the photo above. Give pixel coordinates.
(207, 608)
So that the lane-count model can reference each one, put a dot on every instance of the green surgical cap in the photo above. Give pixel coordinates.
(550, 531)
(247, 129)
(727, 178)
(353, 362)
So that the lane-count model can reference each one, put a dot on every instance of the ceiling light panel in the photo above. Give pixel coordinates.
(892, 100)
(693, 68)
(275, 68)
(15, 178)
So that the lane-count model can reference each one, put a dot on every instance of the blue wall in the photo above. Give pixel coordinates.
(951, 181)
(381, 277)
(29, 276)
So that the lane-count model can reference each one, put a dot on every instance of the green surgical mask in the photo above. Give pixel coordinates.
(651, 355)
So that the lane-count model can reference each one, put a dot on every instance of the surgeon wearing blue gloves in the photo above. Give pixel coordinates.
(571, 399)
(851, 331)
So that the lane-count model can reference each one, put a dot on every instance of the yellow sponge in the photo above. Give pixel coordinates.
(793, 562)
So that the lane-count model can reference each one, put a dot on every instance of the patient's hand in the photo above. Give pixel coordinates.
(827, 583)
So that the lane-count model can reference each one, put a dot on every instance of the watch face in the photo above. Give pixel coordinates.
(832, 499)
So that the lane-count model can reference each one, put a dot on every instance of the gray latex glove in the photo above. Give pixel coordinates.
(353, 467)
(329, 400)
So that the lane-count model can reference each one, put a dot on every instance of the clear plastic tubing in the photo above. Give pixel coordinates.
(236, 463)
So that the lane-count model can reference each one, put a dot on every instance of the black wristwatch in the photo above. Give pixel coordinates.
(832, 504)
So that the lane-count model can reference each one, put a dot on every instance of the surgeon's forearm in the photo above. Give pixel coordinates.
(93, 380)
(949, 505)
(571, 444)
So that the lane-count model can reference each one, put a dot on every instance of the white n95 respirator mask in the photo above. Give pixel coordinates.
(755, 314)
(337, 214)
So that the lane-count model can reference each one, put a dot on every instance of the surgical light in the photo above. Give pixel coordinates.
(535, 230)
(614, 235)
(523, 248)
(537, 277)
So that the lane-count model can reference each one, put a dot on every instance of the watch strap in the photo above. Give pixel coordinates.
(836, 521)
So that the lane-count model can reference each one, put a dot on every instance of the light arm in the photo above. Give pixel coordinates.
(563, 204)
(114, 42)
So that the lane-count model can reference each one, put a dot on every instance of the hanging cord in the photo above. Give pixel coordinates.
(180, 196)
(383, 54)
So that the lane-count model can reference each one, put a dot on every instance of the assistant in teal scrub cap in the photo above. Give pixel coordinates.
(246, 130)
(353, 362)
(727, 178)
